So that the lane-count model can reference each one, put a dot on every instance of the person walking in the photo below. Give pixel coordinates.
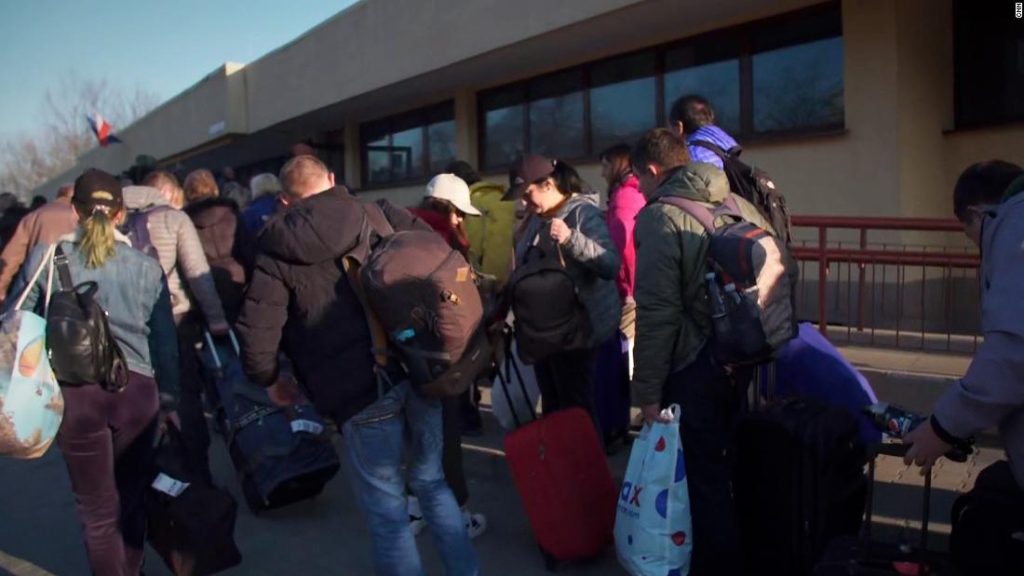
(107, 439)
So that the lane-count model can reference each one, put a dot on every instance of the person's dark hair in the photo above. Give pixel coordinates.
(9, 201)
(983, 183)
(618, 157)
(463, 170)
(566, 178)
(659, 146)
(693, 111)
(37, 202)
(442, 206)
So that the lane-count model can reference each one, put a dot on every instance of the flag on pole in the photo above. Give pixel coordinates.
(101, 128)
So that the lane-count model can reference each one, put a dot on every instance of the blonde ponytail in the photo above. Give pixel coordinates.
(97, 239)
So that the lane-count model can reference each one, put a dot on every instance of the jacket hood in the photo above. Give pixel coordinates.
(211, 211)
(577, 200)
(319, 228)
(143, 198)
(697, 181)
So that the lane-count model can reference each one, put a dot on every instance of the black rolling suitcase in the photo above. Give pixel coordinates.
(282, 454)
(860, 555)
(988, 525)
(799, 482)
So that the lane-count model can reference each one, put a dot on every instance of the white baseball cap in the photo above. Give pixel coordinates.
(453, 189)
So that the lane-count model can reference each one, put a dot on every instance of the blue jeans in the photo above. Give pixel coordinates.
(376, 439)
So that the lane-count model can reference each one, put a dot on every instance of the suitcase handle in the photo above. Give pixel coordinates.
(896, 450)
(217, 363)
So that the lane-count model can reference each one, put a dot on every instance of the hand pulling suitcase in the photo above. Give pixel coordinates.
(282, 454)
(860, 555)
(561, 473)
(799, 483)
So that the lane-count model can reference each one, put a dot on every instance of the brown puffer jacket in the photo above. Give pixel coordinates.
(228, 249)
(299, 301)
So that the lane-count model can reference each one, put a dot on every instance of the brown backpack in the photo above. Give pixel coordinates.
(423, 298)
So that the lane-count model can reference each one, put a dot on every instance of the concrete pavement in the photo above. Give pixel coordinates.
(39, 532)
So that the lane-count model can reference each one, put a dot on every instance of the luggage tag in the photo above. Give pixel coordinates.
(307, 426)
(170, 486)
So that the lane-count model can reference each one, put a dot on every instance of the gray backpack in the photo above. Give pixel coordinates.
(750, 282)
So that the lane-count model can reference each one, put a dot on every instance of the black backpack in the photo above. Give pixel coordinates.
(82, 348)
(549, 316)
(136, 228)
(750, 284)
(755, 186)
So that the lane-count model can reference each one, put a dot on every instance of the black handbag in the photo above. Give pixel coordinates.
(190, 523)
(82, 348)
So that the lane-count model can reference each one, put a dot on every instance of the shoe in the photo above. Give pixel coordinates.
(476, 524)
(416, 521)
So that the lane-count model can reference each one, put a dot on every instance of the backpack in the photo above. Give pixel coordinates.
(750, 284)
(549, 316)
(421, 296)
(136, 228)
(755, 186)
(82, 348)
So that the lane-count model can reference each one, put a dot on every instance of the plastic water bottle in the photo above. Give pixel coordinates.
(893, 420)
(731, 295)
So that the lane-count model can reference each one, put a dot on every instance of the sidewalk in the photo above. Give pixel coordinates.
(40, 535)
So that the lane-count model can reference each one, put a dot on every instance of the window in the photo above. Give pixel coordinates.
(988, 46)
(622, 100)
(408, 147)
(780, 75)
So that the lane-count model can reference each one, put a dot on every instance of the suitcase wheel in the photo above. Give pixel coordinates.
(551, 563)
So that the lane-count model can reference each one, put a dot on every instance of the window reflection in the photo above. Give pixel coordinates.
(799, 86)
(621, 112)
(556, 126)
(718, 82)
(504, 132)
(441, 140)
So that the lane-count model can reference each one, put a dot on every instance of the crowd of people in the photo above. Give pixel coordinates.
(264, 260)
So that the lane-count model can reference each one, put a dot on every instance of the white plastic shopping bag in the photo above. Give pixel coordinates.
(652, 522)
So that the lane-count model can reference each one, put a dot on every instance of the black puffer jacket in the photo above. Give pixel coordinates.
(228, 249)
(300, 301)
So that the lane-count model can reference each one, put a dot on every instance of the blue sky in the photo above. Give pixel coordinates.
(162, 46)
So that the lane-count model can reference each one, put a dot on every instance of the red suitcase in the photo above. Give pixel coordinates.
(559, 467)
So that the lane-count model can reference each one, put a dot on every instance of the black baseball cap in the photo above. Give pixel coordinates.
(525, 171)
(97, 188)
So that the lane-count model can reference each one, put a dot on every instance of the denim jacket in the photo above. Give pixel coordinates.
(133, 291)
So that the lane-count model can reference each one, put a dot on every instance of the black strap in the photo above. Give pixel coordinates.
(733, 152)
(60, 260)
(510, 367)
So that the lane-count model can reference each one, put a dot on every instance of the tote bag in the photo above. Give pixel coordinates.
(31, 404)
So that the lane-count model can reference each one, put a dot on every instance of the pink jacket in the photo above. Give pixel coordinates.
(623, 206)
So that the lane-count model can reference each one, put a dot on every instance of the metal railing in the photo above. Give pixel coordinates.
(915, 286)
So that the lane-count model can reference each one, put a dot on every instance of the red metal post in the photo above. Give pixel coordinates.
(822, 279)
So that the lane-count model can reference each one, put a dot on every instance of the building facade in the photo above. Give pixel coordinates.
(858, 107)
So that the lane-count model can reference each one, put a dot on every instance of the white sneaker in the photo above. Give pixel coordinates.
(476, 524)
(416, 521)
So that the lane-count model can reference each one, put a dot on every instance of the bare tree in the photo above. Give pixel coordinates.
(64, 134)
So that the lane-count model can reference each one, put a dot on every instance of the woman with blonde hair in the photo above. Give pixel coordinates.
(107, 438)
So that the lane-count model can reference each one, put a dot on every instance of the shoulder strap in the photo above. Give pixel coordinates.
(378, 337)
(60, 260)
(706, 216)
(733, 152)
(698, 211)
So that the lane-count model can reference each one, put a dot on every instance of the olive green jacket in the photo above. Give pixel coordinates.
(673, 314)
